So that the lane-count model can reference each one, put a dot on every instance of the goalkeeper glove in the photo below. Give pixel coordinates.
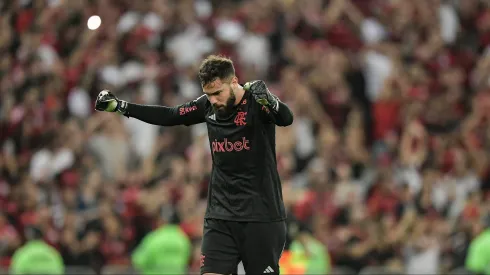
(107, 102)
(262, 95)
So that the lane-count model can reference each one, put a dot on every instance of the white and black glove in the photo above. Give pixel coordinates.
(107, 102)
(262, 95)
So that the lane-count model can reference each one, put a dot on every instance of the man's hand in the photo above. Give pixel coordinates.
(107, 102)
(262, 94)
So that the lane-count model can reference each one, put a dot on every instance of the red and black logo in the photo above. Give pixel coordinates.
(240, 119)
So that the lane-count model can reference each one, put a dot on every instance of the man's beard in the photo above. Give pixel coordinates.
(225, 109)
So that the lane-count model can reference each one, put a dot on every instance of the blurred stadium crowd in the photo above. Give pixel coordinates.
(386, 163)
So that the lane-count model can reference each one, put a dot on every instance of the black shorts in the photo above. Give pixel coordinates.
(258, 245)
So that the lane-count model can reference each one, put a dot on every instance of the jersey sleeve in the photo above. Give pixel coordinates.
(280, 117)
(189, 113)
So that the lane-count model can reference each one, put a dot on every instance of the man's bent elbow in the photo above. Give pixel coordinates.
(282, 116)
(286, 121)
(289, 120)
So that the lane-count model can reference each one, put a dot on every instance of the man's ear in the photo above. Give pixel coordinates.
(234, 82)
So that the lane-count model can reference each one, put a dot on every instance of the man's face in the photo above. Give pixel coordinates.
(220, 94)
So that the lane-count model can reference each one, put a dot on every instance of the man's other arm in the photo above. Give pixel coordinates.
(189, 113)
(281, 116)
(273, 109)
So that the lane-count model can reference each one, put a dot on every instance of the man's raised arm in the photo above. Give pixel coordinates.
(276, 111)
(192, 112)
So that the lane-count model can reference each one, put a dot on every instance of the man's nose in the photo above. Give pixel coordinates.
(213, 100)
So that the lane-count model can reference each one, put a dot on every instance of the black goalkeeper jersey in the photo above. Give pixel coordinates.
(245, 184)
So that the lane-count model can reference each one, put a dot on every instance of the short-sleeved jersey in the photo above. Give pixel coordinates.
(245, 184)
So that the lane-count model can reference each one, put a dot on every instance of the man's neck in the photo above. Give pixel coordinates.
(239, 94)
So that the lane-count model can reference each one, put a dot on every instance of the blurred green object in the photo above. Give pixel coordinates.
(37, 257)
(166, 250)
(478, 258)
(316, 259)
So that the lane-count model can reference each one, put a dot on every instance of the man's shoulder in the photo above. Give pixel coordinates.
(201, 99)
(202, 102)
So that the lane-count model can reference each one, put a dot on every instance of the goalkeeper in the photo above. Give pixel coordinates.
(245, 216)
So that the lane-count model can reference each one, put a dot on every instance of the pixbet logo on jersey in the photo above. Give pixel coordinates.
(229, 146)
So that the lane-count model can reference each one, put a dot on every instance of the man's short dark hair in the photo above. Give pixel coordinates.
(215, 67)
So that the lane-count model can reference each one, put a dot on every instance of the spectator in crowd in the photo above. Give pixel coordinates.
(386, 162)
